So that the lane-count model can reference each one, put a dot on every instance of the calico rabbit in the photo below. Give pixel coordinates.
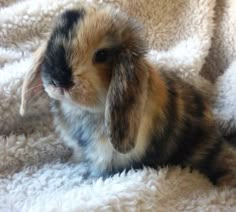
(114, 108)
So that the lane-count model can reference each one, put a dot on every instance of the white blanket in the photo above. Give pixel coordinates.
(188, 37)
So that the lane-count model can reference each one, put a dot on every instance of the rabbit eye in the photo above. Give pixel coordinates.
(101, 56)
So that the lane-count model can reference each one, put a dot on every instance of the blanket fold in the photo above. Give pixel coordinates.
(195, 38)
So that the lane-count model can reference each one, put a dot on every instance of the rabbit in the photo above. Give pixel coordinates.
(114, 108)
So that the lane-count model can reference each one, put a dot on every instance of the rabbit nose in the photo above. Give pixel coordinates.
(61, 85)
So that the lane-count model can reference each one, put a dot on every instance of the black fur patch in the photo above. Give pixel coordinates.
(191, 136)
(196, 107)
(199, 102)
(231, 138)
(171, 109)
(207, 164)
(56, 68)
(68, 20)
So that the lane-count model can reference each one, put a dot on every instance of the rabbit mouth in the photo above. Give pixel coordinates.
(57, 93)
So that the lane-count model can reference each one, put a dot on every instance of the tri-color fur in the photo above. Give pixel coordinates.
(123, 113)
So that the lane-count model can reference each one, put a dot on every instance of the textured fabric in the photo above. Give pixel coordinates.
(188, 37)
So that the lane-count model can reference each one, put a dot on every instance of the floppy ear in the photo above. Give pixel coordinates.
(125, 101)
(32, 86)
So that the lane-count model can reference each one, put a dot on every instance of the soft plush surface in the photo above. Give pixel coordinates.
(188, 37)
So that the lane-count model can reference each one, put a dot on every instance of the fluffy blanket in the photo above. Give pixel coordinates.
(193, 38)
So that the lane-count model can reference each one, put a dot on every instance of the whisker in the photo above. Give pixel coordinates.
(33, 88)
(36, 96)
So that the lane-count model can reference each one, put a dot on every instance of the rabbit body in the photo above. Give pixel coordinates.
(115, 109)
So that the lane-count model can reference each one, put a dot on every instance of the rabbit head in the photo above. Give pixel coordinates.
(95, 59)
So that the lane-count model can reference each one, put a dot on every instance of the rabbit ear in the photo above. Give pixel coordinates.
(125, 101)
(32, 86)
